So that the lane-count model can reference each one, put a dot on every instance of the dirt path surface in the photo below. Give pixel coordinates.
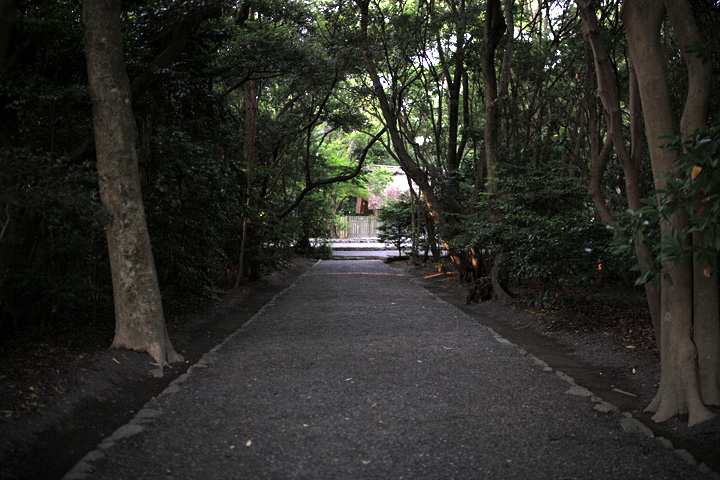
(356, 371)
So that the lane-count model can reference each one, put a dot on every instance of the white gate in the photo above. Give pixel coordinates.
(358, 226)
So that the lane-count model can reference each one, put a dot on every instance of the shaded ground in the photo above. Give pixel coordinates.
(59, 401)
(357, 372)
(60, 397)
(600, 334)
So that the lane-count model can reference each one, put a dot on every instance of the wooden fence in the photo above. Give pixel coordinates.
(358, 226)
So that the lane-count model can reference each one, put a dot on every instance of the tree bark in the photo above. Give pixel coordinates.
(494, 30)
(679, 390)
(706, 330)
(610, 98)
(505, 69)
(706, 324)
(251, 108)
(139, 318)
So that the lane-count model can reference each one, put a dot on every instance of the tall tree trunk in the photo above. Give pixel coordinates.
(706, 324)
(610, 98)
(139, 318)
(251, 108)
(495, 28)
(504, 82)
(679, 390)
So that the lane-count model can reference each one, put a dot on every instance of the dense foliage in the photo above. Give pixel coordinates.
(205, 189)
(694, 186)
(547, 230)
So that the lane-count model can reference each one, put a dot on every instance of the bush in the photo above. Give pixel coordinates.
(546, 230)
(396, 218)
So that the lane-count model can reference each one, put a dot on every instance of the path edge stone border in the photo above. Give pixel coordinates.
(628, 423)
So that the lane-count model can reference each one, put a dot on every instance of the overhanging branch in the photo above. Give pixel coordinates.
(339, 178)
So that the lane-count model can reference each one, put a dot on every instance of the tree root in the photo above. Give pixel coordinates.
(486, 288)
(665, 407)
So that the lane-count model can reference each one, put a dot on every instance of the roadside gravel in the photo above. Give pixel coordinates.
(356, 371)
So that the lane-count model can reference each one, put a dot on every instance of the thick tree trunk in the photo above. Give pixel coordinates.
(706, 321)
(139, 319)
(679, 391)
(706, 330)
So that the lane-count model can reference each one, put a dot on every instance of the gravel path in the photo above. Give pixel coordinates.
(356, 372)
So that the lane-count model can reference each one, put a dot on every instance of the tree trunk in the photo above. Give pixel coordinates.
(139, 319)
(494, 30)
(706, 324)
(432, 241)
(610, 98)
(706, 330)
(252, 156)
(414, 219)
(679, 391)
(241, 275)
(504, 82)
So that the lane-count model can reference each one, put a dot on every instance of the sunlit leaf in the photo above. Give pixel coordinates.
(695, 171)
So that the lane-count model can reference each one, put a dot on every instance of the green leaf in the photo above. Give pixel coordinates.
(639, 237)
